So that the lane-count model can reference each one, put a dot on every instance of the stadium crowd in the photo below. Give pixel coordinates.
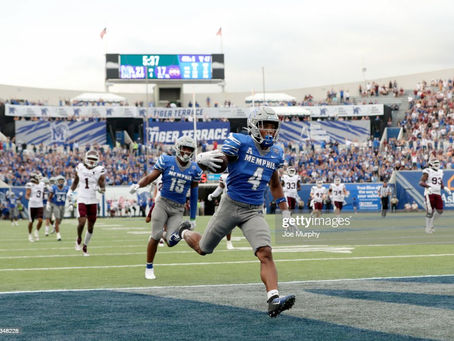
(428, 127)
(123, 165)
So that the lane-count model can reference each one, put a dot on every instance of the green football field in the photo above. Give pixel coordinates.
(377, 278)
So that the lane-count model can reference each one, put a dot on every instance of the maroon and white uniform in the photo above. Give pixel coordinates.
(338, 194)
(87, 188)
(317, 195)
(434, 181)
(223, 179)
(158, 184)
(290, 189)
(35, 203)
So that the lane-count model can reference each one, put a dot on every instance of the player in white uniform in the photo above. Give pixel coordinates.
(432, 181)
(338, 194)
(222, 189)
(34, 194)
(291, 186)
(156, 187)
(89, 179)
(318, 194)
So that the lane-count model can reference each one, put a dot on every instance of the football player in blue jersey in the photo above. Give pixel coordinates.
(12, 205)
(253, 163)
(179, 175)
(57, 201)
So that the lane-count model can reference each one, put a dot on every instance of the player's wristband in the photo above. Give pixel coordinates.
(280, 200)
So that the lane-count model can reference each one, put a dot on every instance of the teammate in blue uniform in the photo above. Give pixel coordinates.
(57, 201)
(12, 206)
(253, 162)
(179, 176)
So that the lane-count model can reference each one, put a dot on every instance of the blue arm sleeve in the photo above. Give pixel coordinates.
(193, 202)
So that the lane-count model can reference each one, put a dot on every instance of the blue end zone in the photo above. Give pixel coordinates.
(428, 279)
(106, 315)
(425, 300)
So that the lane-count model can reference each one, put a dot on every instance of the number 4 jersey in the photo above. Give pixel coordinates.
(252, 171)
(88, 183)
(177, 180)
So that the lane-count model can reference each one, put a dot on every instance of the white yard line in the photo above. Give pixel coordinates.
(223, 285)
(287, 249)
(226, 263)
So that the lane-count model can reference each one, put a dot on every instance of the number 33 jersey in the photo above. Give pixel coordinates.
(177, 180)
(88, 183)
(252, 171)
(36, 194)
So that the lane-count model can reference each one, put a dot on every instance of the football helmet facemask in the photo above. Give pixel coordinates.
(256, 122)
(188, 142)
(34, 178)
(434, 164)
(91, 159)
(60, 180)
(291, 171)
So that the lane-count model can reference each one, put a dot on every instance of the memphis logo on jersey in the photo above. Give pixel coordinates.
(258, 161)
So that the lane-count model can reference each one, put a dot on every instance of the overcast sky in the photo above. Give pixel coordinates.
(57, 44)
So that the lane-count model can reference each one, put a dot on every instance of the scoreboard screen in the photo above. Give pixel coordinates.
(136, 67)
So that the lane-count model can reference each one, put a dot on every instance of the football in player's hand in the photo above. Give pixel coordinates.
(223, 162)
(223, 165)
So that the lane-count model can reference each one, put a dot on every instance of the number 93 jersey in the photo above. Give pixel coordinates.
(88, 183)
(252, 171)
(177, 180)
(434, 179)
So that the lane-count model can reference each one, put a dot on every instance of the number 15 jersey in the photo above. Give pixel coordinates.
(88, 183)
(252, 171)
(177, 180)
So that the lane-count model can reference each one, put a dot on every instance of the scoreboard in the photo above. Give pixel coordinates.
(165, 67)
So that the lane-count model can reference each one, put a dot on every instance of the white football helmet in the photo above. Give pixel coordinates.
(319, 183)
(60, 180)
(45, 180)
(91, 159)
(256, 120)
(337, 180)
(35, 178)
(434, 164)
(185, 141)
(291, 171)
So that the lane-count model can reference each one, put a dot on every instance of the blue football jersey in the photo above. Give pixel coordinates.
(252, 171)
(11, 201)
(45, 194)
(176, 181)
(59, 195)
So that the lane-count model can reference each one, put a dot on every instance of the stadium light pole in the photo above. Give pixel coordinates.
(194, 119)
(145, 138)
(364, 69)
